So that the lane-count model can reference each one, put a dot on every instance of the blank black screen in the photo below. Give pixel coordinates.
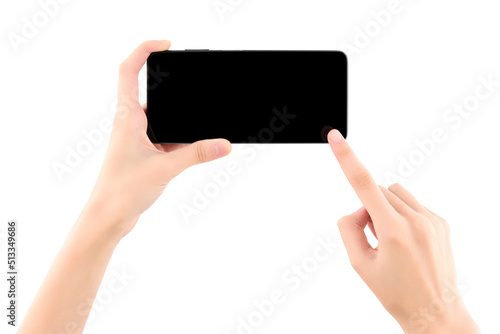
(246, 96)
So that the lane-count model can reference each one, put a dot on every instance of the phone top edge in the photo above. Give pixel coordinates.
(208, 50)
(336, 52)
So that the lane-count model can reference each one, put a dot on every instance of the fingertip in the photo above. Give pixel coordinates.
(167, 44)
(156, 45)
(222, 148)
(334, 136)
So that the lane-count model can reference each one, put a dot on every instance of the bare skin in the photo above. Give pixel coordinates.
(411, 270)
(134, 174)
(412, 267)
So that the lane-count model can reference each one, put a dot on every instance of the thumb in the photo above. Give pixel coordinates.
(352, 230)
(197, 153)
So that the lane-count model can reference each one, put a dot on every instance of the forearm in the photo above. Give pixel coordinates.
(63, 302)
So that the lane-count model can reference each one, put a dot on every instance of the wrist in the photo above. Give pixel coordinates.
(454, 319)
(106, 219)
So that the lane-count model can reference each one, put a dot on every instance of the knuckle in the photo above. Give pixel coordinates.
(355, 264)
(437, 216)
(341, 222)
(363, 179)
(441, 227)
(144, 44)
(423, 229)
(344, 152)
(446, 226)
(124, 68)
(201, 154)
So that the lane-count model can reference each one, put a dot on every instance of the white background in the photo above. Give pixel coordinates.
(200, 277)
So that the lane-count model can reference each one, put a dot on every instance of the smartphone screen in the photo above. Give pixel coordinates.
(246, 96)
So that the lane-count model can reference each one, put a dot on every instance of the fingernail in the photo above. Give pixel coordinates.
(219, 149)
(335, 136)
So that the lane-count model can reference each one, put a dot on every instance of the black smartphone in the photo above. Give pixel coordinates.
(246, 96)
